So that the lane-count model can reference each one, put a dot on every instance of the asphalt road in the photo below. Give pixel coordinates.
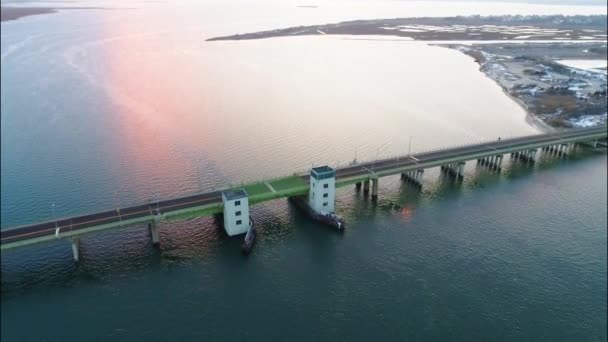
(86, 221)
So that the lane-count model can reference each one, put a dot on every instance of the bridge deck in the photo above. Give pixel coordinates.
(211, 202)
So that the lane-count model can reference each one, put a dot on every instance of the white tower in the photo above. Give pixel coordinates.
(236, 211)
(322, 193)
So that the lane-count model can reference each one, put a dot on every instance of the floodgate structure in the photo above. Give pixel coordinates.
(319, 187)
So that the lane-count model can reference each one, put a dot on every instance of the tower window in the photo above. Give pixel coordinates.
(325, 195)
(238, 213)
(238, 222)
(325, 186)
(237, 203)
(325, 204)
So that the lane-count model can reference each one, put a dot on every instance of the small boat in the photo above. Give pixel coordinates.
(249, 240)
(329, 219)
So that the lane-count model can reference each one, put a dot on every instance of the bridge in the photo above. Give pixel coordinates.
(411, 167)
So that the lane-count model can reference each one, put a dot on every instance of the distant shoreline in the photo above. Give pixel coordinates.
(460, 28)
(9, 13)
(13, 13)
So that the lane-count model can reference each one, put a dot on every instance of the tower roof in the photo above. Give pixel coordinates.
(322, 172)
(234, 194)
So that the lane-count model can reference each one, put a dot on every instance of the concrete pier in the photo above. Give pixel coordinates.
(414, 177)
(75, 249)
(531, 155)
(493, 162)
(528, 156)
(455, 169)
(366, 187)
(358, 184)
(154, 233)
(460, 170)
(419, 174)
(375, 188)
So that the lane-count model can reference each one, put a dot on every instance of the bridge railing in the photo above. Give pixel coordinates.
(371, 161)
(480, 143)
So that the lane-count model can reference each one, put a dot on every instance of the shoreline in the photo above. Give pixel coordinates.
(459, 28)
(12, 13)
(553, 95)
(9, 13)
(533, 119)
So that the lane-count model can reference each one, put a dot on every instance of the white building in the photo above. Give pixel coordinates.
(322, 193)
(236, 211)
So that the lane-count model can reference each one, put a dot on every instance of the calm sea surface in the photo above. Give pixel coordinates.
(105, 108)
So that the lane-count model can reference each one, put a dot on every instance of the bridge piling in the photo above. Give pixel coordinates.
(375, 188)
(529, 156)
(414, 177)
(565, 150)
(460, 170)
(491, 162)
(75, 249)
(358, 184)
(448, 169)
(154, 233)
(420, 173)
(366, 187)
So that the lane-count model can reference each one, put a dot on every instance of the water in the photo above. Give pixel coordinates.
(585, 64)
(107, 108)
